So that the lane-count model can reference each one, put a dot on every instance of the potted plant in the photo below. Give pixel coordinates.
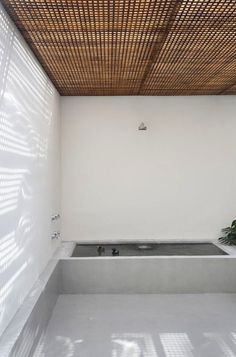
(229, 234)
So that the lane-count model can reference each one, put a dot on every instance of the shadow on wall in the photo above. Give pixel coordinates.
(25, 118)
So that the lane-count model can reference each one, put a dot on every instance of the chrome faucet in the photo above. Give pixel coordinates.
(100, 250)
(55, 217)
(55, 235)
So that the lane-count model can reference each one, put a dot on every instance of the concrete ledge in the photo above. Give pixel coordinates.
(28, 325)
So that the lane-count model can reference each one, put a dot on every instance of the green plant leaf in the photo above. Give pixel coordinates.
(227, 229)
(229, 234)
(233, 224)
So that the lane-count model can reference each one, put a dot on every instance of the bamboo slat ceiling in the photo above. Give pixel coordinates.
(132, 47)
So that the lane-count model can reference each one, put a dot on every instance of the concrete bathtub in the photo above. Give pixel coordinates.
(111, 275)
(149, 274)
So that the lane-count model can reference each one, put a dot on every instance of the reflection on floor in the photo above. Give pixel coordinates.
(142, 326)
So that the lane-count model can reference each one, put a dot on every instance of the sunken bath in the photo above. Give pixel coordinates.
(195, 267)
(147, 249)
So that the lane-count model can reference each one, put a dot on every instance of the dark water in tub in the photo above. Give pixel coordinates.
(146, 249)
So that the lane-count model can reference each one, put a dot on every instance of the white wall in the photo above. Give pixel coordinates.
(177, 180)
(29, 168)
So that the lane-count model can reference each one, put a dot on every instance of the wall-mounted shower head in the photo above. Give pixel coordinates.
(142, 126)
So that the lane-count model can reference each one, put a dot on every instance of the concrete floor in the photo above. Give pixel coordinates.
(141, 326)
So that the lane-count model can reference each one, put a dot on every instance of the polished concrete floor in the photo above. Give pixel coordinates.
(141, 326)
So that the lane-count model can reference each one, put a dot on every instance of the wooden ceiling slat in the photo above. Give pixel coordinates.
(231, 89)
(194, 41)
(132, 47)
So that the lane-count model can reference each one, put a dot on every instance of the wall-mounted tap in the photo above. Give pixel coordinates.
(55, 217)
(55, 235)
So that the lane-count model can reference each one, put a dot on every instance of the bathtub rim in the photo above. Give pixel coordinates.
(69, 246)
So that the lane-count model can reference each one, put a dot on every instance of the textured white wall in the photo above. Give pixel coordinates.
(29, 168)
(177, 180)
